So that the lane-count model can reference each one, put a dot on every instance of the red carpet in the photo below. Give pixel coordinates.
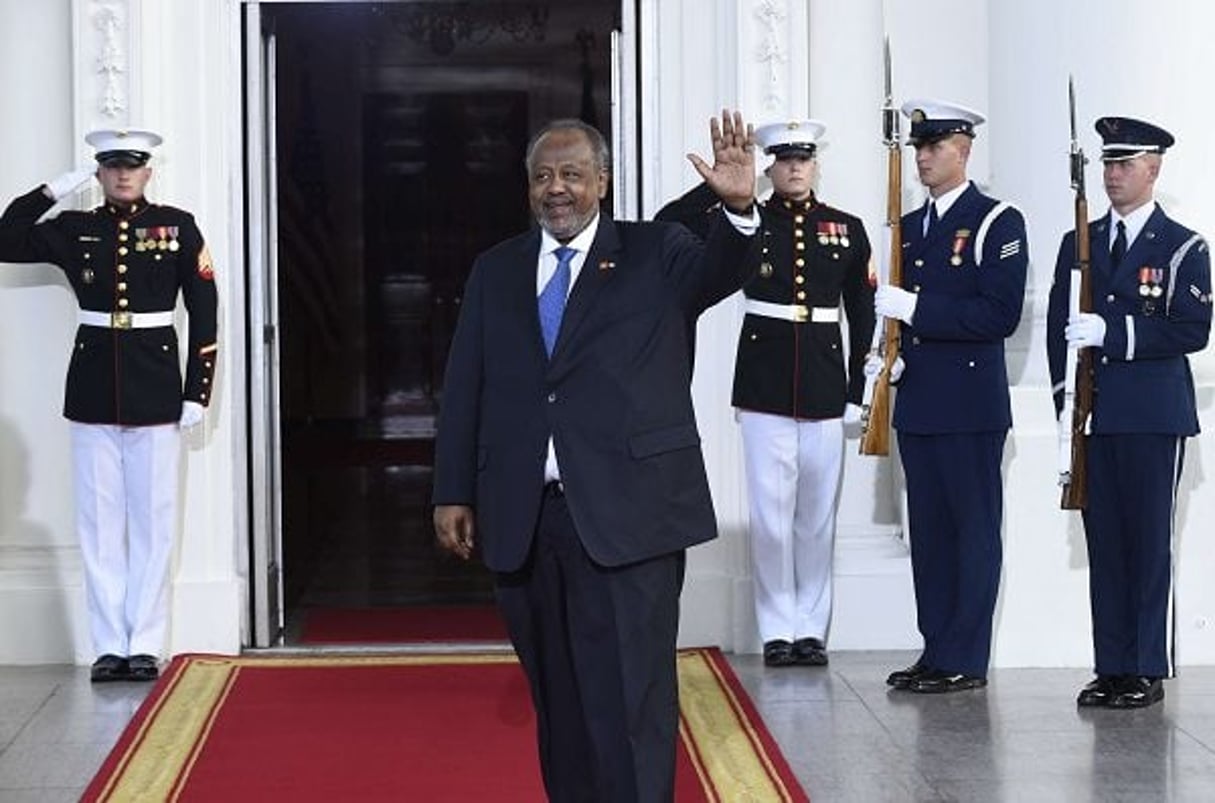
(432, 623)
(434, 728)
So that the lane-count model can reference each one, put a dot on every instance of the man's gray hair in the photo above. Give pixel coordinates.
(603, 155)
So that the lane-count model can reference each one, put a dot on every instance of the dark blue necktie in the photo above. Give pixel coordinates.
(552, 298)
(1118, 250)
(932, 218)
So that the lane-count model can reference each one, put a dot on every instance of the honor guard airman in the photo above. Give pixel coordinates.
(965, 260)
(1150, 279)
(127, 261)
(795, 385)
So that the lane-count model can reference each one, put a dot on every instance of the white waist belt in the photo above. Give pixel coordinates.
(124, 320)
(798, 313)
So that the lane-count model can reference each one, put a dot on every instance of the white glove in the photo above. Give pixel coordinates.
(1085, 329)
(191, 415)
(874, 363)
(62, 186)
(852, 414)
(894, 302)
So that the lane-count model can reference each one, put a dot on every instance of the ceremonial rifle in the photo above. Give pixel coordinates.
(1078, 378)
(875, 405)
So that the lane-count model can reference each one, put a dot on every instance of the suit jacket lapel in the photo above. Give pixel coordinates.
(597, 270)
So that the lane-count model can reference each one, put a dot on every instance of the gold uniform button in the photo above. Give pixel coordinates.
(800, 246)
(123, 303)
(800, 279)
(122, 224)
(1109, 299)
(122, 287)
(799, 233)
(801, 263)
(164, 348)
(206, 381)
(919, 263)
(799, 219)
(122, 251)
(122, 268)
(122, 238)
(801, 295)
(915, 289)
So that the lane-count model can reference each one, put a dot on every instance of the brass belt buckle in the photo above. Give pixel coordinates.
(121, 319)
(801, 313)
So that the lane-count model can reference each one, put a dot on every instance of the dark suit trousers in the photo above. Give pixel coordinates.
(598, 647)
(1128, 523)
(955, 504)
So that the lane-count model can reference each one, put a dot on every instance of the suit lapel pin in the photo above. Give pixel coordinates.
(606, 264)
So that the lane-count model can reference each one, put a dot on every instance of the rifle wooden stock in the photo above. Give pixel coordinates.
(875, 417)
(1074, 495)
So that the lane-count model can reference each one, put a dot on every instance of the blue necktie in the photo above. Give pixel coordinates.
(1118, 251)
(552, 298)
(932, 218)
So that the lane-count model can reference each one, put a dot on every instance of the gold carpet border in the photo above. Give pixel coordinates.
(726, 750)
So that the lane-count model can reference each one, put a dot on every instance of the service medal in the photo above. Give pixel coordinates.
(959, 243)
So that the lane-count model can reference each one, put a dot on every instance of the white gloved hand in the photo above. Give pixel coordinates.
(874, 363)
(62, 186)
(1085, 329)
(852, 414)
(894, 302)
(191, 415)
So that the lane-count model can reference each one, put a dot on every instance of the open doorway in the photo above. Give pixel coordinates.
(398, 146)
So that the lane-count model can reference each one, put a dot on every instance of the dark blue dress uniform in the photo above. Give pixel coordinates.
(124, 262)
(1156, 305)
(952, 413)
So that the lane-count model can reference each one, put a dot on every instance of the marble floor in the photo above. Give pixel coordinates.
(846, 736)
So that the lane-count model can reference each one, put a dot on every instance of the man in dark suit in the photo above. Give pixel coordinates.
(964, 266)
(127, 261)
(1151, 289)
(567, 443)
(794, 386)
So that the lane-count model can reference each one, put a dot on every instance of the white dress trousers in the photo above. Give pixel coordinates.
(794, 470)
(126, 518)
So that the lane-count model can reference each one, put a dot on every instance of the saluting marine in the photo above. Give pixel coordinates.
(795, 384)
(1151, 288)
(127, 261)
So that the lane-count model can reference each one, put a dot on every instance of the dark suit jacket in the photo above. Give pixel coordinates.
(956, 379)
(1142, 376)
(615, 396)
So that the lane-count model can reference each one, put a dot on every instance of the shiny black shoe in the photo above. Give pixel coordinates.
(936, 682)
(809, 652)
(1098, 692)
(108, 668)
(142, 667)
(778, 652)
(902, 678)
(1136, 692)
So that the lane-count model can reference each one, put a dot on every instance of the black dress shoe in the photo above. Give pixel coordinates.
(108, 667)
(778, 652)
(809, 652)
(1137, 692)
(936, 682)
(142, 667)
(902, 678)
(1098, 692)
